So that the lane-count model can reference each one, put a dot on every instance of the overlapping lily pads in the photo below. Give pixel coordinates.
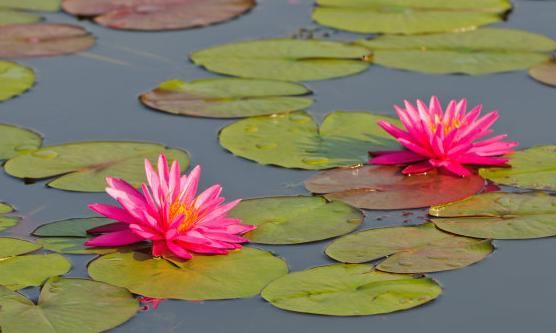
(158, 14)
(533, 168)
(499, 216)
(227, 98)
(284, 59)
(19, 271)
(14, 79)
(474, 52)
(84, 166)
(15, 140)
(545, 72)
(239, 274)
(409, 16)
(7, 221)
(67, 306)
(416, 249)
(294, 220)
(385, 187)
(349, 290)
(43, 40)
(294, 140)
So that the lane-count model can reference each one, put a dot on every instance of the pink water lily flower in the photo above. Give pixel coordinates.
(169, 213)
(448, 139)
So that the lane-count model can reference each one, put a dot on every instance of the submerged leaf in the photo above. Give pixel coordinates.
(284, 59)
(294, 140)
(7, 221)
(349, 290)
(417, 249)
(545, 72)
(14, 80)
(227, 98)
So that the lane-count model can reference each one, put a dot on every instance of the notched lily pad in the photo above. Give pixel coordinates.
(349, 290)
(15, 79)
(294, 140)
(284, 59)
(418, 249)
(15, 140)
(158, 14)
(239, 274)
(499, 216)
(67, 306)
(545, 72)
(385, 187)
(227, 98)
(294, 220)
(482, 51)
(7, 221)
(409, 16)
(533, 168)
(43, 40)
(84, 166)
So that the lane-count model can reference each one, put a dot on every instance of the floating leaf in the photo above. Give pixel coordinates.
(7, 221)
(43, 40)
(38, 5)
(10, 247)
(417, 249)
(385, 187)
(14, 80)
(67, 306)
(84, 166)
(227, 98)
(236, 275)
(15, 140)
(474, 52)
(533, 168)
(349, 290)
(16, 17)
(74, 245)
(499, 216)
(284, 59)
(294, 220)
(294, 140)
(158, 14)
(409, 16)
(545, 72)
(71, 227)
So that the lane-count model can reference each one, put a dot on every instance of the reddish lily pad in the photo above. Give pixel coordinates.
(43, 40)
(385, 187)
(158, 14)
(545, 72)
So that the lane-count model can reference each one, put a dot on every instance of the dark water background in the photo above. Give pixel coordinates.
(93, 97)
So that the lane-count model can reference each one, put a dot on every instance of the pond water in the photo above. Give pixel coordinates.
(93, 96)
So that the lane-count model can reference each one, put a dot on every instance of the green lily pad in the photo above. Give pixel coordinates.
(15, 140)
(533, 168)
(14, 79)
(418, 249)
(294, 220)
(474, 52)
(499, 216)
(84, 166)
(5, 208)
(294, 140)
(409, 16)
(16, 17)
(239, 274)
(545, 72)
(76, 227)
(284, 59)
(7, 221)
(67, 306)
(37, 5)
(227, 98)
(385, 187)
(10, 247)
(349, 290)
(74, 245)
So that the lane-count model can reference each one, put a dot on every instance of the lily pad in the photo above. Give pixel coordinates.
(74, 245)
(349, 290)
(284, 59)
(294, 220)
(499, 216)
(84, 166)
(545, 72)
(158, 14)
(43, 40)
(16, 17)
(385, 187)
(67, 306)
(294, 140)
(10, 247)
(14, 79)
(533, 168)
(7, 221)
(239, 274)
(418, 249)
(227, 98)
(409, 16)
(76, 227)
(36, 5)
(474, 52)
(15, 141)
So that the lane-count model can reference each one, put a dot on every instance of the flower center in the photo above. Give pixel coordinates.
(447, 127)
(191, 215)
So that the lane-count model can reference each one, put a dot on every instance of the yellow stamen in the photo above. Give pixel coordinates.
(191, 214)
(447, 127)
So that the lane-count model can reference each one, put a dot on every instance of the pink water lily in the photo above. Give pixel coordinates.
(448, 139)
(169, 213)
